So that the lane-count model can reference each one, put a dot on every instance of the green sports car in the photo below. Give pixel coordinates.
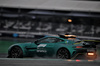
(52, 46)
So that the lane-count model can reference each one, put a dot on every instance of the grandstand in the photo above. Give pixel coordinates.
(34, 17)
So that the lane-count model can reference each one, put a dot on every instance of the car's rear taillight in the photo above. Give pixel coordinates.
(90, 53)
(79, 47)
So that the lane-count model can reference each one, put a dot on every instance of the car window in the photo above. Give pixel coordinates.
(50, 40)
(76, 40)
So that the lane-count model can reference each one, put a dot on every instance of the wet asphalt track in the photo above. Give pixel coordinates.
(47, 62)
(38, 61)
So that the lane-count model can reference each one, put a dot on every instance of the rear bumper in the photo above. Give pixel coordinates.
(85, 50)
(83, 54)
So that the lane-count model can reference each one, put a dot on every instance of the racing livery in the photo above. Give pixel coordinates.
(52, 46)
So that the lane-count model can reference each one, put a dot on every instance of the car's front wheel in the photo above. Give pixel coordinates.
(15, 52)
(63, 54)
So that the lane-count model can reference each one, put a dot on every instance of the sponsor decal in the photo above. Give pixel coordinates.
(40, 48)
(42, 45)
(66, 42)
(42, 51)
(15, 35)
(26, 35)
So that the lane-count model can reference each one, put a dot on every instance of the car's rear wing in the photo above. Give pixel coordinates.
(96, 42)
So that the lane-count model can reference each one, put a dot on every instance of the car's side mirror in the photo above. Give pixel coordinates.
(36, 42)
(84, 43)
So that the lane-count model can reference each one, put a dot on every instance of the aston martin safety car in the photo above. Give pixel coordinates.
(51, 46)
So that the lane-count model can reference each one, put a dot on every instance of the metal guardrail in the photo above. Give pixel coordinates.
(45, 33)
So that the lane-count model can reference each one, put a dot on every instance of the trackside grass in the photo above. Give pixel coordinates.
(4, 45)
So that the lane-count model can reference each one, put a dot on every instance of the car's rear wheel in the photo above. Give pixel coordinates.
(15, 52)
(63, 53)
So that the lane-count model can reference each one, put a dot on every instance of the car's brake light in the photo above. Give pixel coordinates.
(90, 53)
(79, 47)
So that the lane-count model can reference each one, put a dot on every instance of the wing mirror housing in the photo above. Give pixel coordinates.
(86, 44)
(36, 42)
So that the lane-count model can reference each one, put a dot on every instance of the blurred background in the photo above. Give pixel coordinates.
(29, 20)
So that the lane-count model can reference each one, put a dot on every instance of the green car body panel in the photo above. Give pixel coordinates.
(49, 48)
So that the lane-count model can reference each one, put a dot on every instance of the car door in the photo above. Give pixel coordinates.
(44, 46)
(47, 46)
(52, 45)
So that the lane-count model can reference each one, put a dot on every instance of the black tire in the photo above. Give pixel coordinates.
(63, 53)
(15, 52)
